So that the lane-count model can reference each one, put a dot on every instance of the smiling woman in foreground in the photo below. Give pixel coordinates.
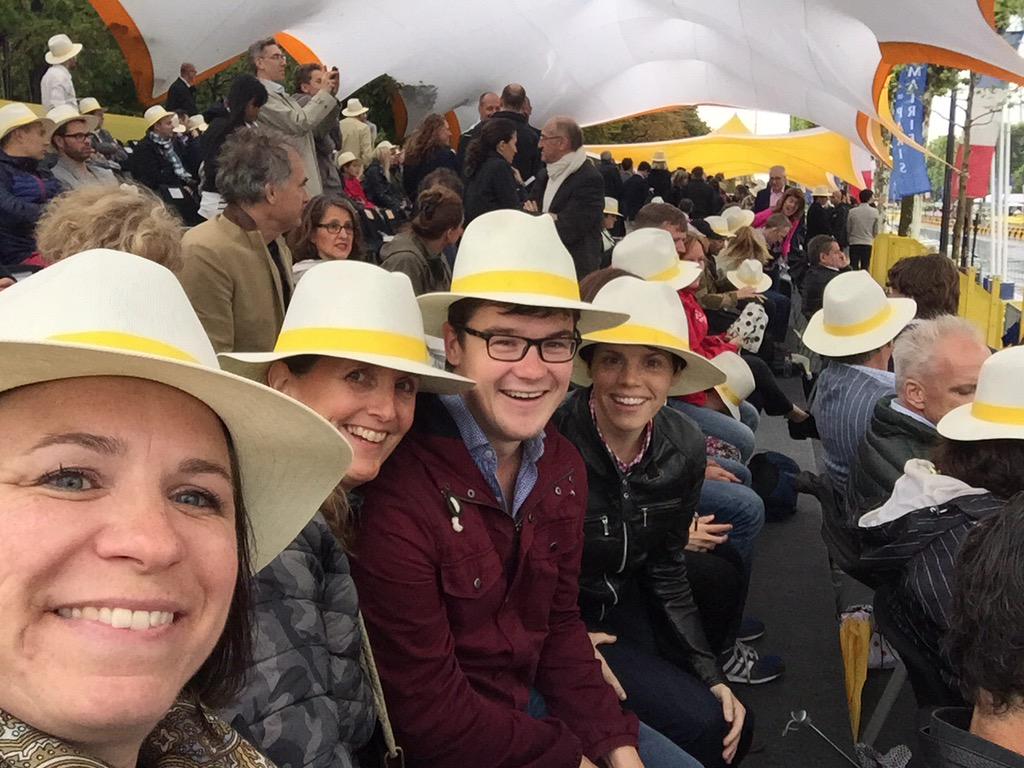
(127, 521)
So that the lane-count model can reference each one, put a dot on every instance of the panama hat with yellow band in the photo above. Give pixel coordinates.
(512, 257)
(658, 320)
(997, 412)
(355, 311)
(739, 381)
(650, 254)
(856, 317)
(15, 115)
(107, 313)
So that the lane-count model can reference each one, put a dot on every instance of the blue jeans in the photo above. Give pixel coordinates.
(749, 415)
(720, 425)
(656, 751)
(737, 504)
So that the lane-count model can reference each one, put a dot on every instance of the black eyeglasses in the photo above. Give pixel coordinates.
(512, 349)
(335, 227)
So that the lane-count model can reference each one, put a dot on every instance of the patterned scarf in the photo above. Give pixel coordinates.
(180, 740)
(167, 147)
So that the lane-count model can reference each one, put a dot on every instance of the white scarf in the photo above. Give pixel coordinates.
(559, 171)
(920, 486)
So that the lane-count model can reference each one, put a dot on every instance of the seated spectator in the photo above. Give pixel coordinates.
(380, 183)
(25, 187)
(329, 231)
(245, 98)
(126, 218)
(983, 644)
(307, 701)
(635, 191)
(937, 365)
(932, 280)
(483, 489)
(109, 152)
(427, 149)
(853, 330)
(491, 182)
(744, 243)
(612, 219)
(418, 252)
(791, 204)
(643, 457)
(351, 173)
(826, 260)
(71, 141)
(155, 161)
(238, 269)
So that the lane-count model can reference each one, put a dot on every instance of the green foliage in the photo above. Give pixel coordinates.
(800, 124)
(936, 170)
(26, 25)
(1006, 10)
(676, 123)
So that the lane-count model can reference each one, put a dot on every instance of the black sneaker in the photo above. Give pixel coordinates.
(750, 629)
(744, 665)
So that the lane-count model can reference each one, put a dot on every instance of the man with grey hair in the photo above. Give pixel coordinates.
(570, 190)
(937, 363)
(769, 196)
(283, 113)
(488, 103)
(238, 269)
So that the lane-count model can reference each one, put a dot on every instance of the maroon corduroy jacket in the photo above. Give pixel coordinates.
(464, 623)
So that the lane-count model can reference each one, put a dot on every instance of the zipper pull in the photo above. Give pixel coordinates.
(604, 522)
(455, 510)
(645, 517)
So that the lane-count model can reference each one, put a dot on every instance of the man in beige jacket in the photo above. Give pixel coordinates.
(283, 113)
(237, 268)
(355, 132)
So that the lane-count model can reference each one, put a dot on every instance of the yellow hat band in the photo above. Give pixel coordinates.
(998, 414)
(638, 334)
(518, 281)
(126, 342)
(348, 340)
(663, 277)
(856, 329)
(728, 395)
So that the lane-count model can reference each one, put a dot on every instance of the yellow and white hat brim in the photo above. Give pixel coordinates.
(982, 421)
(763, 283)
(840, 341)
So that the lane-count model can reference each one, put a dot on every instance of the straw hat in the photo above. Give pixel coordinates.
(650, 254)
(89, 104)
(196, 123)
(344, 158)
(737, 218)
(178, 126)
(611, 207)
(61, 49)
(155, 114)
(107, 313)
(657, 319)
(739, 381)
(512, 257)
(15, 115)
(997, 412)
(821, 191)
(65, 113)
(385, 145)
(750, 274)
(354, 108)
(355, 311)
(856, 316)
(659, 157)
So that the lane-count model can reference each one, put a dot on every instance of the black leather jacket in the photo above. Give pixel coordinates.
(637, 525)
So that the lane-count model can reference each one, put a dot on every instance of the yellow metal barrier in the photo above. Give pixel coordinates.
(121, 127)
(888, 249)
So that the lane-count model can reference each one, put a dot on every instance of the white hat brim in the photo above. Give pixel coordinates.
(698, 374)
(689, 273)
(48, 124)
(91, 121)
(434, 307)
(733, 409)
(762, 285)
(76, 48)
(254, 365)
(962, 424)
(282, 488)
(354, 113)
(817, 339)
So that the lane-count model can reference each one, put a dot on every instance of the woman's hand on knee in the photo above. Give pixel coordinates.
(734, 713)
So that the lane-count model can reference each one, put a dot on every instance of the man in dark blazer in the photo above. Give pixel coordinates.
(570, 190)
(636, 191)
(181, 96)
(513, 107)
(770, 194)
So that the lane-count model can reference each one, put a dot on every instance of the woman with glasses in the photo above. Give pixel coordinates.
(419, 252)
(329, 232)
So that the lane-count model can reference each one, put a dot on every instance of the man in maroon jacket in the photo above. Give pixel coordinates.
(468, 553)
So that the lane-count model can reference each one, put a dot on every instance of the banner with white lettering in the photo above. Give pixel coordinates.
(909, 171)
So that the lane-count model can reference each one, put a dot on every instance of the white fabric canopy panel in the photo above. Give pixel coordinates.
(596, 60)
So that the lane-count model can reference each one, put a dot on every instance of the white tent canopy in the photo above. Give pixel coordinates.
(596, 60)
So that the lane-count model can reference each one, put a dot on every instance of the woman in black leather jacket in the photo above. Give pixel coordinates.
(645, 465)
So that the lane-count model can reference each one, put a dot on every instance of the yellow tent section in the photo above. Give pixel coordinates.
(121, 127)
(811, 157)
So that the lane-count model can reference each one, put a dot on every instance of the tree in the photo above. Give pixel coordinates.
(675, 123)
(800, 124)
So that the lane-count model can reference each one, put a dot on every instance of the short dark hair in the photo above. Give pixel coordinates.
(983, 640)
(484, 95)
(644, 166)
(697, 172)
(443, 177)
(592, 284)
(990, 464)
(627, 163)
(305, 73)
(932, 280)
(462, 311)
(513, 96)
(816, 246)
(865, 195)
(858, 359)
(659, 214)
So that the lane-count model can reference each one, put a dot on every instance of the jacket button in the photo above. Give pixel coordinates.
(529, 517)
(476, 583)
(471, 494)
(558, 491)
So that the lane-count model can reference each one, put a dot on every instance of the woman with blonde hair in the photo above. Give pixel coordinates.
(380, 183)
(428, 149)
(128, 218)
(747, 244)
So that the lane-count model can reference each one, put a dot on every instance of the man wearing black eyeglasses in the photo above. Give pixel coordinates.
(73, 144)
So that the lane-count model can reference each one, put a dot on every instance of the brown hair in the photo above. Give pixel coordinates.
(990, 464)
(746, 245)
(443, 177)
(300, 239)
(462, 311)
(792, 192)
(658, 214)
(592, 284)
(778, 221)
(305, 73)
(424, 139)
(438, 209)
(127, 218)
(816, 246)
(933, 281)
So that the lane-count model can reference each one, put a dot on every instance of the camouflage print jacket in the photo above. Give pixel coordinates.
(307, 703)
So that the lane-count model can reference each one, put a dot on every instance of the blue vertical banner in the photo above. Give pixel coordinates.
(909, 171)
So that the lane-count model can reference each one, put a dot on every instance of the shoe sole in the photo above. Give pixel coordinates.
(751, 637)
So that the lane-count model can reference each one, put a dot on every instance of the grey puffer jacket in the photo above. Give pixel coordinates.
(307, 702)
